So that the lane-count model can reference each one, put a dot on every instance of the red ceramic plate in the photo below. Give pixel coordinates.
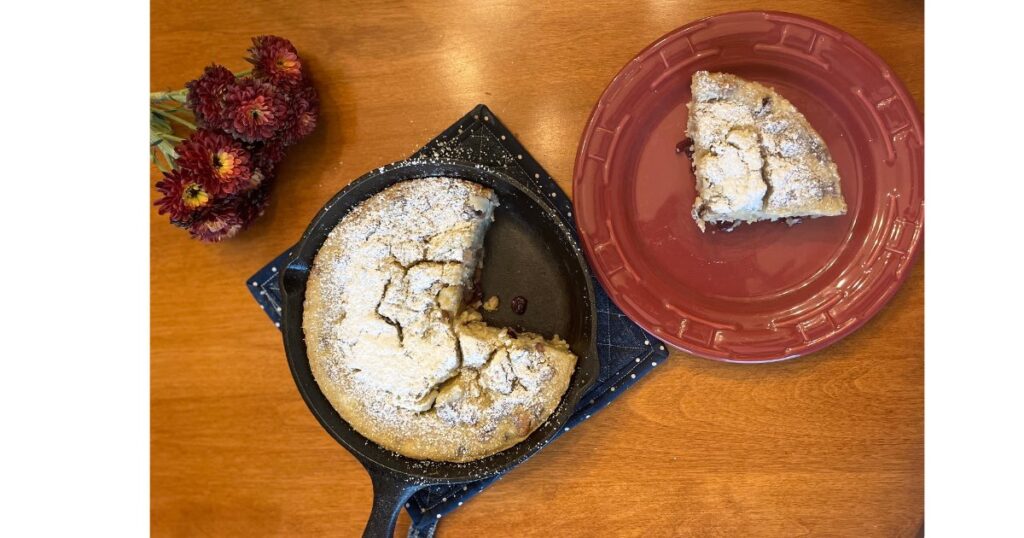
(766, 291)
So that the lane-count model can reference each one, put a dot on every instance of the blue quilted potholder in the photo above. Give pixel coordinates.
(626, 351)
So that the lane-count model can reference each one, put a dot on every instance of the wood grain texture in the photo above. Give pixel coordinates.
(828, 445)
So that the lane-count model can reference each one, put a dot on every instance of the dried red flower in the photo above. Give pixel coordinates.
(254, 110)
(305, 106)
(183, 195)
(216, 224)
(224, 171)
(267, 155)
(229, 216)
(206, 95)
(254, 202)
(275, 59)
(223, 163)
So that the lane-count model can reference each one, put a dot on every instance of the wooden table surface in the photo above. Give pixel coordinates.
(827, 445)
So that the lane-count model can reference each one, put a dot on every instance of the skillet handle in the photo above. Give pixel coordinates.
(390, 493)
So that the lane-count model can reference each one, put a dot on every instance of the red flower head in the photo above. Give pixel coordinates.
(253, 203)
(267, 155)
(183, 195)
(254, 110)
(275, 59)
(216, 224)
(228, 217)
(225, 165)
(305, 105)
(206, 95)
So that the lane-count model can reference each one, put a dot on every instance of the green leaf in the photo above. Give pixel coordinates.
(173, 117)
(177, 96)
(163, 167)
(158, 124)
(159, 159)
(168, 149)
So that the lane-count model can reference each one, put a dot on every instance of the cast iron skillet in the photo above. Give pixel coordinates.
(528, 251)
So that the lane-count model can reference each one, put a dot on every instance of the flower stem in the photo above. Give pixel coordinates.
(174, 117)
(178, 96)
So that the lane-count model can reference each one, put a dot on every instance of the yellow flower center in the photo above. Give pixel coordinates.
(287, 65)
(223, 164)
(194, 196)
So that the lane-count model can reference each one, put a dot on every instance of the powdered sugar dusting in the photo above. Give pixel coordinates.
(756, 157)
(391, 346)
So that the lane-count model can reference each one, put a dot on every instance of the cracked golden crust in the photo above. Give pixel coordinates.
(755, 156)
(388, 346)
